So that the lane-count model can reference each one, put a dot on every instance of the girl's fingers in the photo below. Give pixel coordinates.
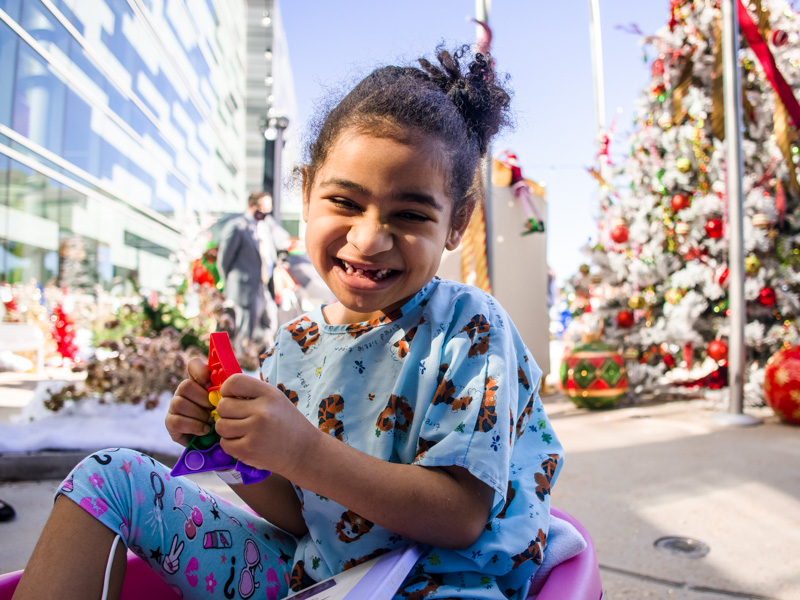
(198, 371)
(240, 385)
(194, 392)
(186, 426)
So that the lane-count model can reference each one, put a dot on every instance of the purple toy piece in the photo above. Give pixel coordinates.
(204, 453)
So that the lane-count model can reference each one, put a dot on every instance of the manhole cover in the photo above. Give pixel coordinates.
(682, 546)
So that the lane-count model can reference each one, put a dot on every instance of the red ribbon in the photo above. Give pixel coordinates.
(762, 52)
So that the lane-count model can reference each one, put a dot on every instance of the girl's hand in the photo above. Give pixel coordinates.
(261, 427)
(189, 410)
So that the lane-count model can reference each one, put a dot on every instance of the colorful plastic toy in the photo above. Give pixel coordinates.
(204, 453)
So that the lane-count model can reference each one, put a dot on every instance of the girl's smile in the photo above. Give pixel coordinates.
(379, 218)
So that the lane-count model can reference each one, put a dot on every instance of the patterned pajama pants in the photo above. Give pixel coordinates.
(201, 545)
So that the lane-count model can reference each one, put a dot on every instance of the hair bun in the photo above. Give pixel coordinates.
(474, 92)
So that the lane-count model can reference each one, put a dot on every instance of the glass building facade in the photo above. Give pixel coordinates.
(121, 121)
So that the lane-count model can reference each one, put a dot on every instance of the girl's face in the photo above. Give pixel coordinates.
(379, 217)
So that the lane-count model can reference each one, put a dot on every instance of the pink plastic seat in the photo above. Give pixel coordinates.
(577, 578)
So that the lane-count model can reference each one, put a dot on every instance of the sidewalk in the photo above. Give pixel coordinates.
(632, 476)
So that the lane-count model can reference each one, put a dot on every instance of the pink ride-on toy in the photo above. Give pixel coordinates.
(577, 578)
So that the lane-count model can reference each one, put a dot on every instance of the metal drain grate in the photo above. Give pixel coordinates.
(682, 546)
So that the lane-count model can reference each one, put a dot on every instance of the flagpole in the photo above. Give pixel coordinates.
(732, 87)
(597, 64)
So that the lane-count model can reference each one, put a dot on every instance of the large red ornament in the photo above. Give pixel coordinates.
(782, 384)
(624, 319)
(714, 228)
(620, 234)
(680, 201)
(718, 350)
(767, 296)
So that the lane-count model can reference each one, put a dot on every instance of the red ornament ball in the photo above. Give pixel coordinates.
(658, 67)
(669, 361)
(681, 201)
(624, 319)
(714, 228)
(782, 384)
(767, 296)
(780, 38)
(722, 278)
(718, 350)
(620, 234)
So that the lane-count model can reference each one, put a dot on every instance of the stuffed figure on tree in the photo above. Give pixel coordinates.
(662, 250)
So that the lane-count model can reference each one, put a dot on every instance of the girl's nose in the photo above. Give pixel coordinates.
(370, 236)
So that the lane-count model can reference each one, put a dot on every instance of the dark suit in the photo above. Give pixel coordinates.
(239, 264)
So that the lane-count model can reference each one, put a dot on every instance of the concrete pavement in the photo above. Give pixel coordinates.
(632, 475)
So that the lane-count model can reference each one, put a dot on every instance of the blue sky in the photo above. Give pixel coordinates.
(543, 46)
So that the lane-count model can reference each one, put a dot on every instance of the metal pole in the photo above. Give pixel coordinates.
(733, 145)
(277, 180)
(482, 8)
(597, 64)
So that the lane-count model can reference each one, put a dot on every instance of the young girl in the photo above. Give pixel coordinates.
(405, 412)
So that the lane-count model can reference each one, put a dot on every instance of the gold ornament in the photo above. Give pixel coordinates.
(752, 264)
(637, 302)
(674, 295)
(683, 164)
(584, 269)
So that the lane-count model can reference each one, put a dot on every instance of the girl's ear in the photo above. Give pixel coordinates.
(306, 191)
(454, 237)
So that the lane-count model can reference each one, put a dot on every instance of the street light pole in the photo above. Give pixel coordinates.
(733, 141)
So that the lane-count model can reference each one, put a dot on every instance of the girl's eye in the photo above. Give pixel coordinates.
(344, 204)
(414, 216)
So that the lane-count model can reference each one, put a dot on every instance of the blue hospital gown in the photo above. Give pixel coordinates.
(445, 380)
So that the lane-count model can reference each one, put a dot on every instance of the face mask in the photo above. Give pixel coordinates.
(259, 216)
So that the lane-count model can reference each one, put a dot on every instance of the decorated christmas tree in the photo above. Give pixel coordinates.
(660, 267)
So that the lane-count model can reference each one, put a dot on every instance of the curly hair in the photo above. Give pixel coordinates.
(461, 107)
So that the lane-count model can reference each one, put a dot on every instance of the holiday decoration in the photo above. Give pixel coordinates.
(714, 228)
(624, 319)
(680, 201)
(674, 295)
(779, 38)
(584, 269)
(64, 333)
(718, 350)
(767, 296)
(637, 302)
(671, 194)
(752, 264)
(593, 375)
(782, 384)
(620, 233)
(761, 220)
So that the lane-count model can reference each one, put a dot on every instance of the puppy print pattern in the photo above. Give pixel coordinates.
(352, 527)
(330, 412)
(305, 332)
(475, 329)
(397, 416)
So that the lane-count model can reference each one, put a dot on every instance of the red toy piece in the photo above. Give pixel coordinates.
(204, 453)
